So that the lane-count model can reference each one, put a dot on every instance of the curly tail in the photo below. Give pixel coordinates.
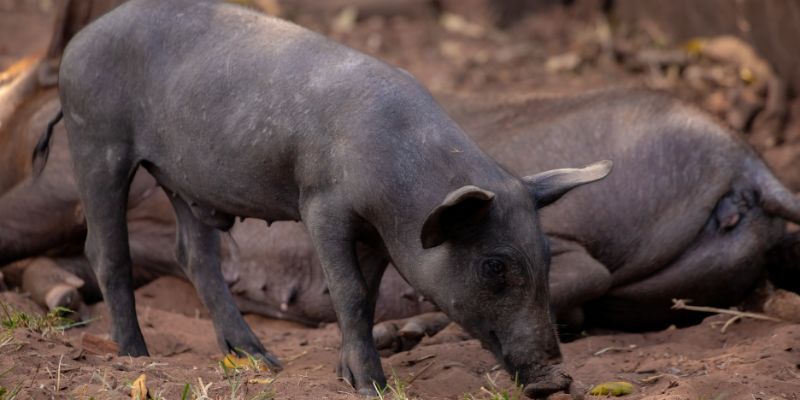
(42, 149)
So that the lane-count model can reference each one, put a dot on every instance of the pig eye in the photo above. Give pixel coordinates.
(493, 267)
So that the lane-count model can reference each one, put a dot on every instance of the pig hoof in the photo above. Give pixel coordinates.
(558, 382)
(401, 335)
(134, 350)
(413, 330)
(385, 335)
(369, 392)
(272, 362)
(542, 390)
(265, 357)
(361, 370)
(346, 375)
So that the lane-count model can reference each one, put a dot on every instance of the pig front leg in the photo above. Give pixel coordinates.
(783, 262)
(197, 251)
(575, 278)
(353, 294)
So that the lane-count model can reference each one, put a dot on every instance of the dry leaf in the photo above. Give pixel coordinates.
(139, 389)
(612, 389)
(233, 362)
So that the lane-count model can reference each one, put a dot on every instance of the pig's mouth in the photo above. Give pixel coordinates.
(550, 380)
(553, 382)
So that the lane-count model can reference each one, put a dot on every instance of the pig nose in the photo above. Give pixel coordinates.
(554, 382)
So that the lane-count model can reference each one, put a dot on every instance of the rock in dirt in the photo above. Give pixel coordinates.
(97, 345)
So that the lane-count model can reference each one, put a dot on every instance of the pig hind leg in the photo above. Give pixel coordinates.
(104, 183)
(197, 251)
(351, 294)
(394, 336)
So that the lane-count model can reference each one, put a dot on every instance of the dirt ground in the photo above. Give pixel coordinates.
(553, 51)
(751, 360)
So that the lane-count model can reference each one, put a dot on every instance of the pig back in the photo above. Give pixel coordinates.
(671, 165)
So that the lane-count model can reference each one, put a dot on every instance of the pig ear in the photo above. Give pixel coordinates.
(547, 187)
(462, 207)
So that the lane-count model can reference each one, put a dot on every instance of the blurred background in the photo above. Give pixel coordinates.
(737, 59)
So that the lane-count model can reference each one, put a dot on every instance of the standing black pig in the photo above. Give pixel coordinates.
(238, 114)
(277, 273)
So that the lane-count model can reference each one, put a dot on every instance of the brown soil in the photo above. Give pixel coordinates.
(752, 360)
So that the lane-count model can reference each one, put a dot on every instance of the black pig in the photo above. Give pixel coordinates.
(238, 114)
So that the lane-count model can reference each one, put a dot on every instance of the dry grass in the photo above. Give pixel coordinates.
(492, 391)
(395, 389)
(47, 324)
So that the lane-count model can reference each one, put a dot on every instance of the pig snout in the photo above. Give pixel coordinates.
(530, 350)
(543, 377)
(553, 381)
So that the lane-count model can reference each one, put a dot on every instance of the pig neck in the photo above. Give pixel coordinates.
(443, 160)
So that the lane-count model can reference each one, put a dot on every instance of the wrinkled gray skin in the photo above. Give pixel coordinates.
(237, 114)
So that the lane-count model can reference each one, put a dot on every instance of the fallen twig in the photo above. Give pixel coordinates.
(729, 323)
(296, 356)
(681, 304)
(410, 363)
(420, 372)
(614, 349)
(651, 379)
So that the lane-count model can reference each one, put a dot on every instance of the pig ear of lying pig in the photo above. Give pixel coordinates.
(548, 186)
(461, 208)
